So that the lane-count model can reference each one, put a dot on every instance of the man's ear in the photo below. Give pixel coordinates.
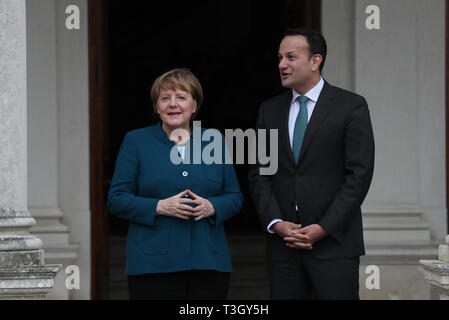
(316, 61)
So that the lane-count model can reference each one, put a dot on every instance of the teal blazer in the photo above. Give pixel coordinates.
(144, 175)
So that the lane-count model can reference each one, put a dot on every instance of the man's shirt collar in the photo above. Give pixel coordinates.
(313, 93)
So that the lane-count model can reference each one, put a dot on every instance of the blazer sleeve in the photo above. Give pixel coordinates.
(261, 186)
(359, 166)
(230, 201)
(122, 198)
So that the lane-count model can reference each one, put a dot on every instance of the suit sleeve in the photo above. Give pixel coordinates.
(230, 201)
(261, 186)
(359, 166)
(122, 198)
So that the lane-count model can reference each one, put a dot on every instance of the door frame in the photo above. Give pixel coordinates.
(308, 14)
(98, 129)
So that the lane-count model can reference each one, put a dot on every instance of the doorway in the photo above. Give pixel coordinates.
(231, 46)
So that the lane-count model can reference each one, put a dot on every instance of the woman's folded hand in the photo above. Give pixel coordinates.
(176, 206)
(203, 209)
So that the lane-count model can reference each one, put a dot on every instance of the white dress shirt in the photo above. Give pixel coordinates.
(313, 95)
(181, 150)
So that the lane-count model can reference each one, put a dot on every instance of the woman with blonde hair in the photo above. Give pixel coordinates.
(176, 244)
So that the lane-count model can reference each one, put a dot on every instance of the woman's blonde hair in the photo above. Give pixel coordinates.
(181, 79)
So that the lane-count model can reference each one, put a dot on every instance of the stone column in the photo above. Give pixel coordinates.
(404, 214)
(23, 273)
(436, 273)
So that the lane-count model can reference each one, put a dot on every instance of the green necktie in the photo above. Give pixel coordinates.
(300, 127)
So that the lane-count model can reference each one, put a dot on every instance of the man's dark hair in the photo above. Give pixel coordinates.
(316, 41)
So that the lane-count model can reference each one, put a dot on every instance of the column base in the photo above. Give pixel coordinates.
(27, 283)
(436, 273)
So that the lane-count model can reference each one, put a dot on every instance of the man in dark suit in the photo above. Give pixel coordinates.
(311, 206)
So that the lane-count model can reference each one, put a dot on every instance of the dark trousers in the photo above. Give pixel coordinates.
(183, 285)
(303, 276)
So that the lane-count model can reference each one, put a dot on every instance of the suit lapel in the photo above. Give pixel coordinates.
(321, 110)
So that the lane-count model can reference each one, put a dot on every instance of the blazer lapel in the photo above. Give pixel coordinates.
(321, 110)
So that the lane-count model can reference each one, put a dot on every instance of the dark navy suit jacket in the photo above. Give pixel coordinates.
(330, 180)
(144, 175)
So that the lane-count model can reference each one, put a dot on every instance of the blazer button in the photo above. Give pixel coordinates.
(185, 173)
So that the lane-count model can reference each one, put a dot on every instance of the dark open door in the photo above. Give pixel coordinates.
(238, 70)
